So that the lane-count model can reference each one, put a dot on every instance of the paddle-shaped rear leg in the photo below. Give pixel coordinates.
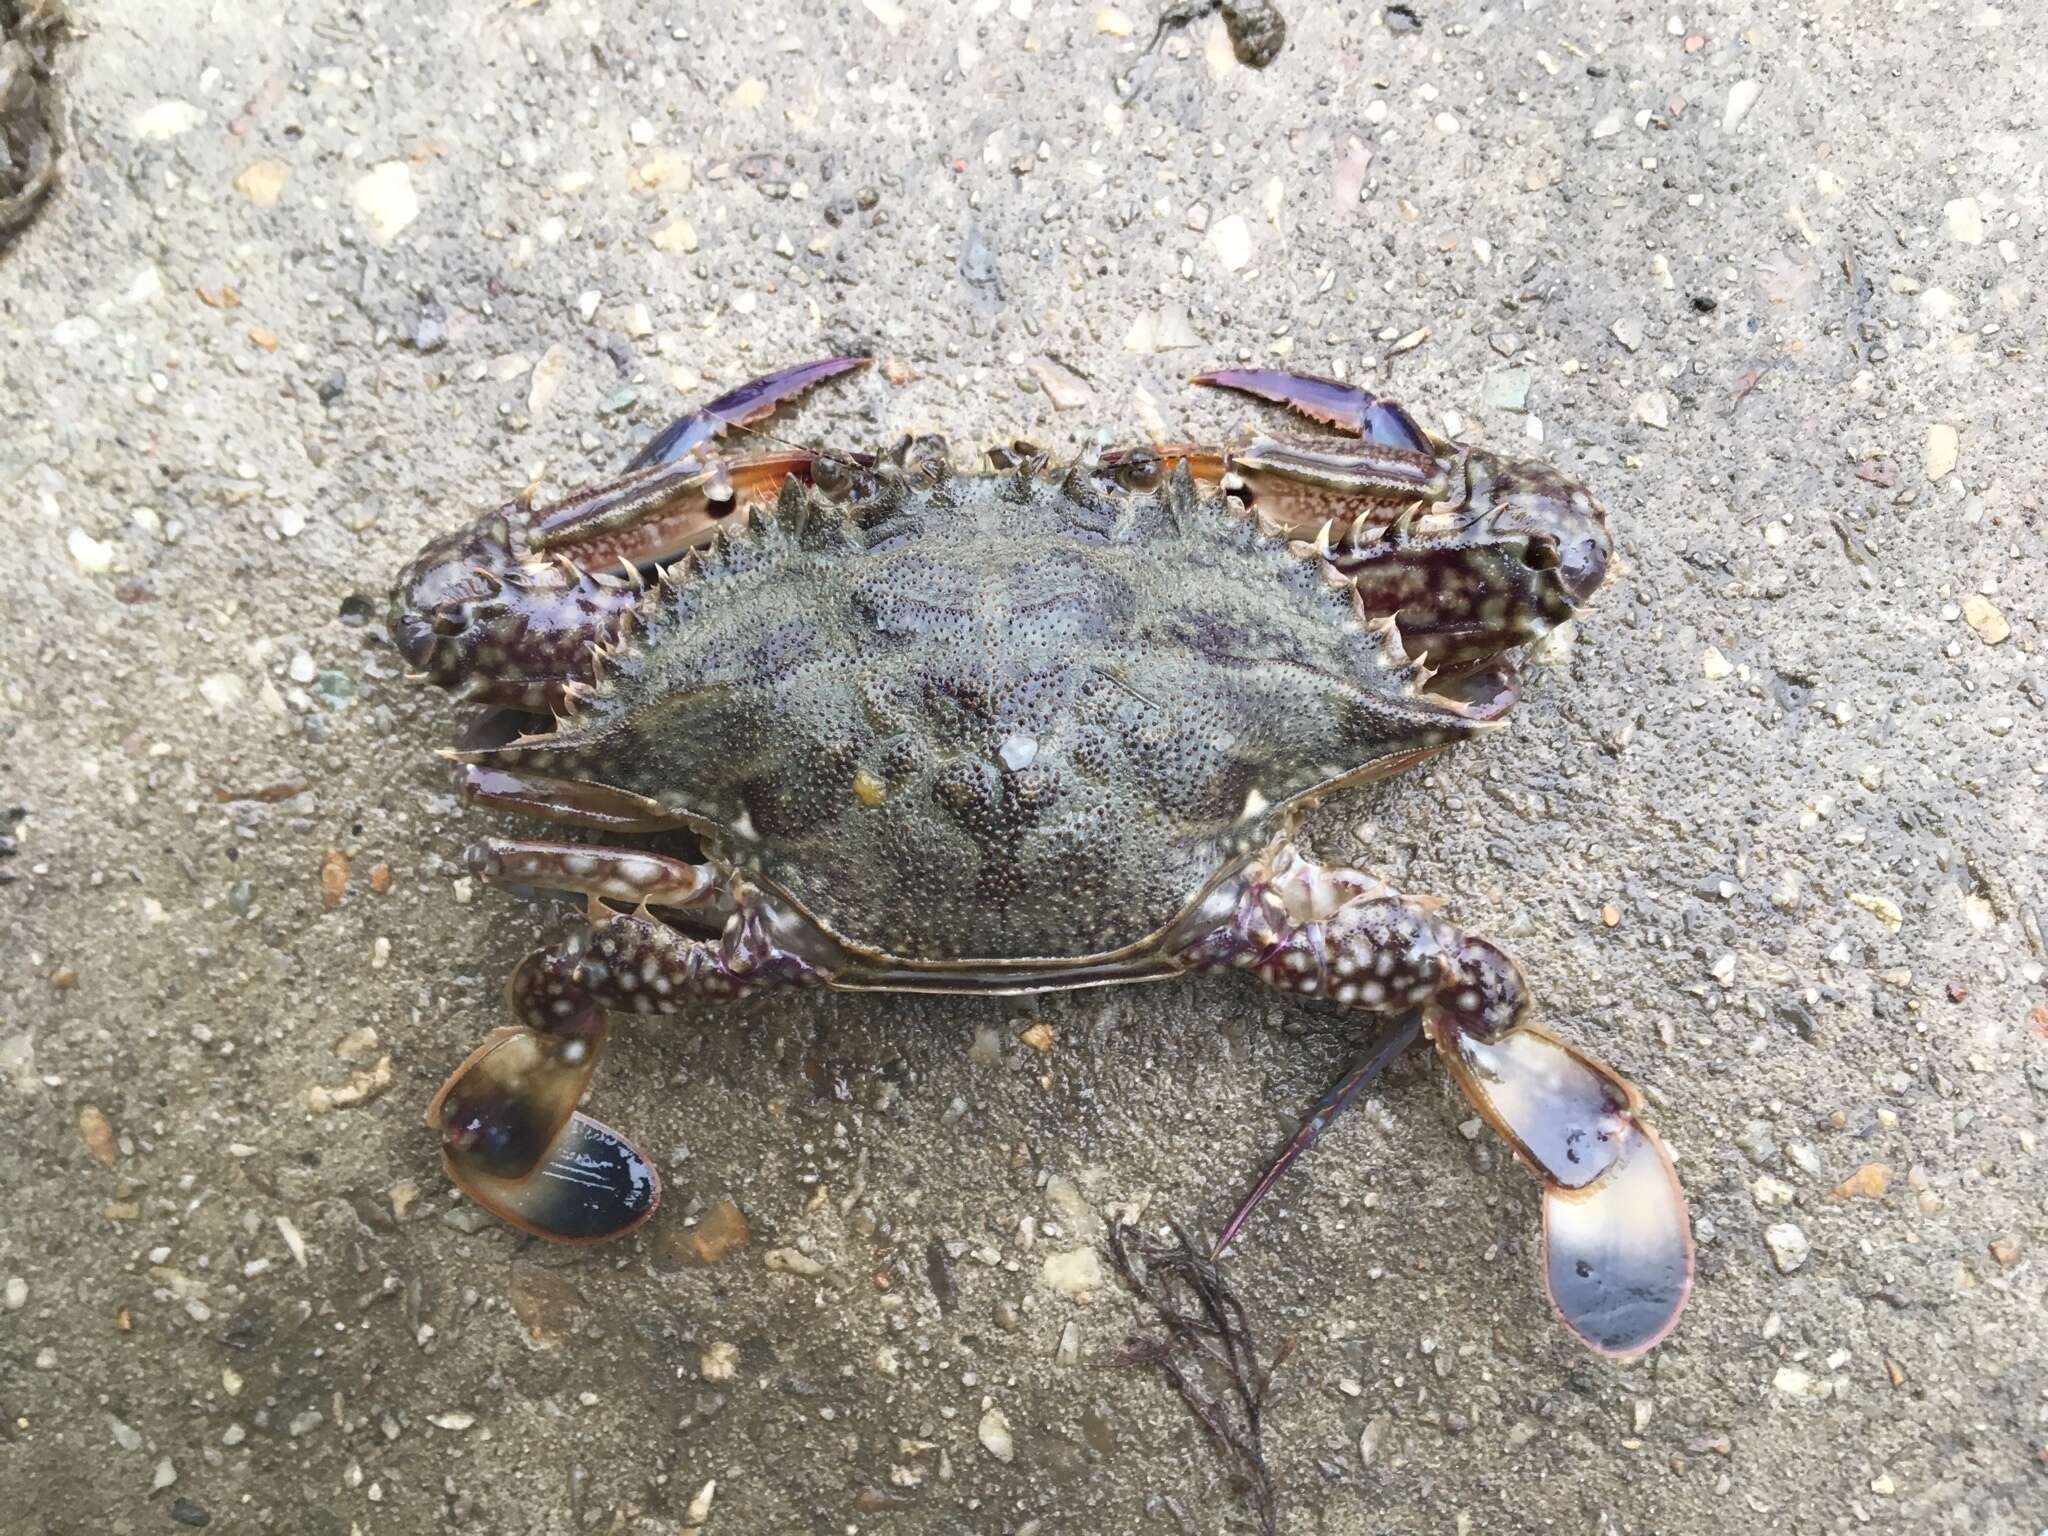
(512, 1138)
(1617, 1238)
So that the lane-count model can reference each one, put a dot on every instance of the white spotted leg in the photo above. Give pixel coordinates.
(512, 1138)
(1617, 1238)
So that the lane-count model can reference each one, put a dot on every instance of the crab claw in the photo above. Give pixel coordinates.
(513, 1141)
(1343, 406)
(1617, 1239)
(753, 401)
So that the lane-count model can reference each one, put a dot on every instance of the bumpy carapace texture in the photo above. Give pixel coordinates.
(1007, 716)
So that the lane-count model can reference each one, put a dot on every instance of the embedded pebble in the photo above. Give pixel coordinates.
(1756, 1142)
(1788, 1245)
(678, 236)
(386, 200)
(165, 1475)
(1867, 1183)
(90, 555)
(547, 380)
(700, 1507)
(97, 1134)
(16, 1295)
(1628, 330)
(1944, 447)
(1883, 908)
(995, 1437)
(262, 182)
(1714, 666)
(1507, 389)
(1742, 95)
(1768, 1192)
(1965, 220)
(719, 1362)
(1232, 238)
(1653, 409)
(1073, 1273)
(164, 121)
(792, 1261)
(1982, 615)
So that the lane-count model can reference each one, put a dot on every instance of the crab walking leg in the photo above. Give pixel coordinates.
(611, 874)
(1617, 1238)
(512, 1139)
(571, 802)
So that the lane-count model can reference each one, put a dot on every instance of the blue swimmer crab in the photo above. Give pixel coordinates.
(1030, 728)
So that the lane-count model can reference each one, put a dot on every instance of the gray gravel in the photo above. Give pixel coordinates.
(1767, 830)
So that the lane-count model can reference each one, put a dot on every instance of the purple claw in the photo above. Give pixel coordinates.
(1342, 406)
(753, 401)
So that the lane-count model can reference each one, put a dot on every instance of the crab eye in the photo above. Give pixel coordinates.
(1139, 472)
(1540, 555)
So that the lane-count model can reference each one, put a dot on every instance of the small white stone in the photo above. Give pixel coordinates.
(89, 554)
(16, 1295)
(1742, 95)
(1793, 1382)
(163, 1477)
(146, 285)
(792, 1261)
(386, 200)
(1074, 1273)
(222, 690)
(995, 1437)
(1232, 238)
(1608, 126)
(1629, 332)
(700, 1507)
(1965, 220)
(455, 1422)
(586, 304)
(1447, 123)
(678, 237)
(1653, 409)
(1788, 1245)
(75, 330)
(302, 669)
(1944, 448)
(1713, 665)
(546, 380)
(1769, 1192)
(719, 1362)
(164, 121)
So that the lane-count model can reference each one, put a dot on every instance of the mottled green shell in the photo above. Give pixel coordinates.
(996, 717)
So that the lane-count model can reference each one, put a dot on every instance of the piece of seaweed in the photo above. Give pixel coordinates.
(1202, 1317)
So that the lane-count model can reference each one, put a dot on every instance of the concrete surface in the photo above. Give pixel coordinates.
(282, 320)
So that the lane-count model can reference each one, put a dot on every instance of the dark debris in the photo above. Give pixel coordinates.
(29, 32)
(1187, 1293)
